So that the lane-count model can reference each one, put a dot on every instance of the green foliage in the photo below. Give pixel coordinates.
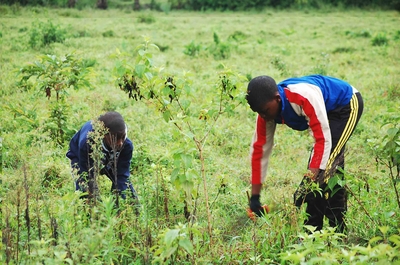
(175, 245)
(171, 96)
(387, 150)
(358, 34)
(219, 49)
(44, 34)
(322, 64)
(222, 5)
(328, 247)
(146, 18)
(278, 63)
(192, 49)
(57, 74)
(397, 35)
(1, 156)
(380, 39)
(108, 33)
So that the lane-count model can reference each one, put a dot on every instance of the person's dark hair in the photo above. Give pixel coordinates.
(115, 123)
(260, 90)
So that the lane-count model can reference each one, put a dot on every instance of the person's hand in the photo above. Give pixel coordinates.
(255, 207)
(316, 175)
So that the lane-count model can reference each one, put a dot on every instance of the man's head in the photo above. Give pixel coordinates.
(116, 127)
(263, 97)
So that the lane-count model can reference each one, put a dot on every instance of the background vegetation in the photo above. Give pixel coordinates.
(62, 67)
(221, 5)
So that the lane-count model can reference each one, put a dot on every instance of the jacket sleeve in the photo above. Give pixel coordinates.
(260, 150)
(85, 162)
(307, 100)
(124, 163)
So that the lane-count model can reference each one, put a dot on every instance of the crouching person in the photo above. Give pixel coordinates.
(116, 159)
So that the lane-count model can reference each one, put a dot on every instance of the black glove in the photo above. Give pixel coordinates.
(255, 205)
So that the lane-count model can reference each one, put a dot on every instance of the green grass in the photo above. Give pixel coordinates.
(359, 46)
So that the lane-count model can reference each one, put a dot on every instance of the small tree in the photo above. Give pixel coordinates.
(55, 75)
(387, 150)
(172, 96)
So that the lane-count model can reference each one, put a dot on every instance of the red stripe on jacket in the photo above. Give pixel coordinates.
(256, 158)
(315, 126)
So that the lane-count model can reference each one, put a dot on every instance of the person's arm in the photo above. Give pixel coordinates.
(307, 100)
(261, 148)
(260, 152)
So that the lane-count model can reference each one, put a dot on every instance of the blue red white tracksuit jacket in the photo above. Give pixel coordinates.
(79, 154)
(305, 103)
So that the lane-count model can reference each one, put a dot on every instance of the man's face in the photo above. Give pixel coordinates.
(113, 142)
(271, 109)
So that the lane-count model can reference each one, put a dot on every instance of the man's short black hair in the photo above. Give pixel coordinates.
(114, 122)
(260, 90)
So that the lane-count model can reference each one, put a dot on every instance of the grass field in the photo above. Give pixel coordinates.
(362, 47)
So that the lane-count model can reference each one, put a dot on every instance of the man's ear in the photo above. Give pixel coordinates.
(278, 97)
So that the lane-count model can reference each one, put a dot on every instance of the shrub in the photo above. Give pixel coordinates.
(108, 33)
(192, 49)
(146, 18)
(380, 39)
(43, 34)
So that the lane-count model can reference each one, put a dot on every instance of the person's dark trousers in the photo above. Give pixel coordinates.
(333, 203)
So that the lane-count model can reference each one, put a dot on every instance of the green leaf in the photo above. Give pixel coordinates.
(186, 160)
(375, 239)
(186, 245)
(332, 182)
(170, 251)
(148, 75)
(170, 236)
(166, 115)
(395, 239)
(384, 229)
(139, 69)
(391, 132)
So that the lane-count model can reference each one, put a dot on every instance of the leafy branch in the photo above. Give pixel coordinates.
(172, 96)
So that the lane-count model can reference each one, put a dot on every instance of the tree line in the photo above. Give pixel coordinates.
(220, 5)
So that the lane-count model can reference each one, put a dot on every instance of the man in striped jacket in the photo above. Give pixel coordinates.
(330, 108)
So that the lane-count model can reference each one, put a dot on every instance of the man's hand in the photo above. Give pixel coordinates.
(255, 207)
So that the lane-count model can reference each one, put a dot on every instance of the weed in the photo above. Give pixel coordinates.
(108, 33)
(359, 34)
(280, 65)
(380, 39)
(397, 35)
(322, 64)
(192, 49)
(238, 36)
(146, 18)
(220, 50)
(344, 50)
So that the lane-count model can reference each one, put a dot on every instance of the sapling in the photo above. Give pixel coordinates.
(171, 97)
(56, 75)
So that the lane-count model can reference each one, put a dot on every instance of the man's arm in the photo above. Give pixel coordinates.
(261, 148)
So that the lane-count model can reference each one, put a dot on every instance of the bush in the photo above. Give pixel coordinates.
(380, 39)
(192, 49)
(43, 34)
